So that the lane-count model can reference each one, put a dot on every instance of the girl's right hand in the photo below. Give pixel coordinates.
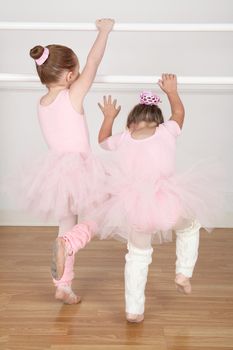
(105, 24)
(109, 108)
(168, 83)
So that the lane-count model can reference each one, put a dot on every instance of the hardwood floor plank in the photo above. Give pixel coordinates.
(32, 319)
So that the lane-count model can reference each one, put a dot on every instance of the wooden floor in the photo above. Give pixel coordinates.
(32, 319)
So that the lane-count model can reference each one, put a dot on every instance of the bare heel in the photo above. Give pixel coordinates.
(183, 284)
(134, 318)
(67, 296)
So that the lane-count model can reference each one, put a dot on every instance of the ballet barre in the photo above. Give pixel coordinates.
(121, 27)
(130, 79)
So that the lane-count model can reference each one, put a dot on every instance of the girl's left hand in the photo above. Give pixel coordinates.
(109, 108)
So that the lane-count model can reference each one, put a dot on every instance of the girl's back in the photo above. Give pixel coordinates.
(148, 158)
(64, 129)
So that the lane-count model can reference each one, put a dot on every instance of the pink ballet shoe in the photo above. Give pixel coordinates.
(60, 253)
(134, 318)
(183, 284)
(66, 295)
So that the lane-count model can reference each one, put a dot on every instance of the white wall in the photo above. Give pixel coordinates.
(208, 127)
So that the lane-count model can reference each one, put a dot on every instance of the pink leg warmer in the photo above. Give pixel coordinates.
(79, 236)
(76, 239)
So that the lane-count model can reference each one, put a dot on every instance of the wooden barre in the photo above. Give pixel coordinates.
(121, 27)
(130, 79)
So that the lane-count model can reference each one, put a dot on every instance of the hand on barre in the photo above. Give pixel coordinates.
(168, 83)
(105, 24)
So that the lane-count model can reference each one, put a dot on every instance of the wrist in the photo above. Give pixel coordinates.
(172, 93)
(104, 32)
(109, 117)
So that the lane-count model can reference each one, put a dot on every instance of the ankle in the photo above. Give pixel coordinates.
(63, 287)
(181, 277)
(67, 246)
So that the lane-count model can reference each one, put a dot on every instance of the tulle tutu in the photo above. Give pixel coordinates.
(158, 205)
(61, 184)
(145, 193)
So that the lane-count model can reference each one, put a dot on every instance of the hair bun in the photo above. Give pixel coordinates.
(36, 52)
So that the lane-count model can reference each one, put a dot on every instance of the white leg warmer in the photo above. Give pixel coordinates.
(187, 243)
(136, 271)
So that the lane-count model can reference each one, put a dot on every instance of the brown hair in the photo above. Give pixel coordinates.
(147, 113)
(60, 58)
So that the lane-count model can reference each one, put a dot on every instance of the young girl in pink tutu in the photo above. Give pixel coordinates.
(146, 198)
(61, 183)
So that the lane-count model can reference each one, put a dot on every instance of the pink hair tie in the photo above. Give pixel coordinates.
(43, 57)
(148, 98)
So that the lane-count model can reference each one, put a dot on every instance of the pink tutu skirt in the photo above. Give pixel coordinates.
(159, 205)
(62, 184)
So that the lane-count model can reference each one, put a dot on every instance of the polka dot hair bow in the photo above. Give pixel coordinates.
(148, 98)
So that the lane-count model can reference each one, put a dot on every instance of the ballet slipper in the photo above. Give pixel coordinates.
(60, 253)
(183, 284)
(66, 295)
(134, 318)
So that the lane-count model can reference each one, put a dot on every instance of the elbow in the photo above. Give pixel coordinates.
(180, 112)
(178, 117)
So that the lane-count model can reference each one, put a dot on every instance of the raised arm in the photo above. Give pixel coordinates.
(110, 111)
(168, 84)
(81, 86)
